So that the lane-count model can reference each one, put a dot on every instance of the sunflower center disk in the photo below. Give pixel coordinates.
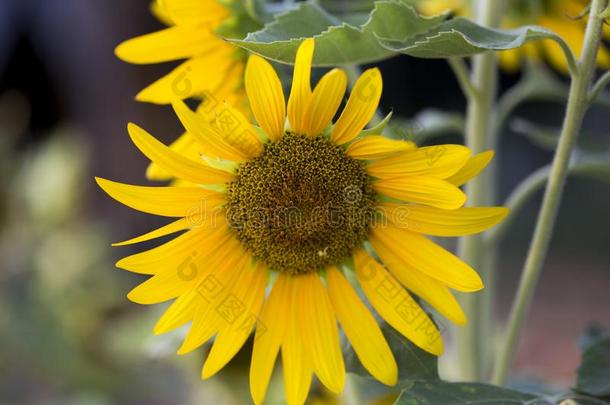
(301, 205)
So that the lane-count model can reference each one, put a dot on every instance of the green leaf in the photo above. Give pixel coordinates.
(594, 372)
(426, 125)
(413, 362)
(591, 165)
(547, 138)
(594, 332)
(338, 41)
(541, 136)
(460, 37)
(440, 392)
(347, 6)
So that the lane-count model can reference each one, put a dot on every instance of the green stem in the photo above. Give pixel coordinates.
(516, 201)
(472, 339)
(599, 86)
(578, 102)
(532, 184)
(535, 84)
(461, 73)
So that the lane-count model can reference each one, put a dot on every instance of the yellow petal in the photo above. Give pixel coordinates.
(377, 146)
(297, 370)
(183, 183)
(327, 97)
(179, 252)
(191, 78)
(195, 12)
(266, 96)
(296, 361)
(214, 290)
(175, 164)
(360, 107)
(184, 145)
(157, 8)
(439, 222)
(160, 287)
(606, 32)
(422, 190)
(166, 45)
(208, 109)
(238, 131)
(270, 331)
(320, 332)
(169, 254)
(440, 161)
(556, 57)
(176, 226)
(396, 305)
(429, 258)
(204, 326)
(178, 280)
(361, 329)
(427, 288)
(300, 93)
(239, 312)
(510, 60)
(473, 167)
(180, 312)
(211, 139)
(230, 91)
(164, 201)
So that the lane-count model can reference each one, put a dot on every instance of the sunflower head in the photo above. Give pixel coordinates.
(299, 197)
(302, 205)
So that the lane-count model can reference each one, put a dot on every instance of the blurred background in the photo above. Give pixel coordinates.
(67, 332)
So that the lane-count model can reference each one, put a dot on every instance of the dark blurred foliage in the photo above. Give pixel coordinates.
(68, 334)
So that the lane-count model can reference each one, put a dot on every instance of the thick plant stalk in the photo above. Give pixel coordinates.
(578, 102)
(471, 338)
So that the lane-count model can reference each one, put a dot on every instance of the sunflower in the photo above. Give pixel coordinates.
(559, 16)
(212, 66)
(213, 69)
(281, 216)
